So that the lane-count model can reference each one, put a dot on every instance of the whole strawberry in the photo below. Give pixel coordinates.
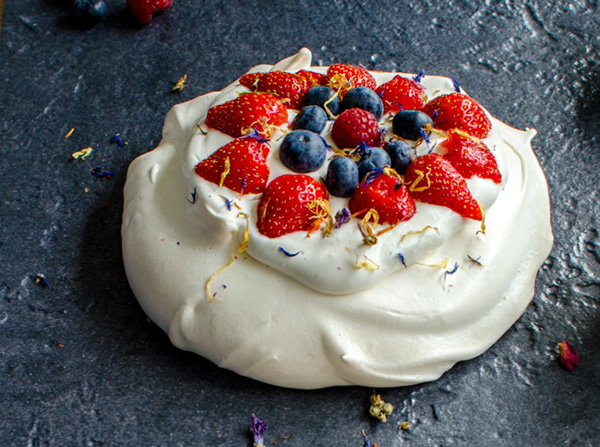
(384, 193)
(240, 165)
(401, 93)
(344, 77)
(432, 179)
(470, 156)
(355, 126)
(291, 202)
(262, 112)
(457, 110)
(143, 10)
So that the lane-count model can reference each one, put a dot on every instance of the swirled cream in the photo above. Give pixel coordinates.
(431, 292)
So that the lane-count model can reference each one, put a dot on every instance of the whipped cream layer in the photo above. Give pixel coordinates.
(316, 320)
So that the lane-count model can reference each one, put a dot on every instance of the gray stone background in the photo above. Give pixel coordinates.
(81, 365)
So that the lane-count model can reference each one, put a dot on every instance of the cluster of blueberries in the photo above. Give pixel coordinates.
(304, 150)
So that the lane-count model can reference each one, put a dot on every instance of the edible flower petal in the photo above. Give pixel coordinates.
(257, 428)
(379, 408)
(568, 355)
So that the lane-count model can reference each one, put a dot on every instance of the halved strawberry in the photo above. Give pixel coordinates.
(401, 93)
(288, 87)
(344, 77)
(384, 193)
(250, 80)
(313, 78)
(240, 165)
(262, 112)
(291, 202)
(457, 110)
(470, 156)
(432, 179)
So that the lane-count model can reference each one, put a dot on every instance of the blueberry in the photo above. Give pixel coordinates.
(318, 96)
(342, 177)
(302, 151)
(89, 12)
(372, 158)
(363, 98)
(412, 124)
(311, 118)
(399, 153)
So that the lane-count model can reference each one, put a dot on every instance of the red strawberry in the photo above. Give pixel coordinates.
(386, 194)
(457, 110)
(288, 87)
(344, 77)
(260, 111)
(313, 78)
(250, 80)
(291, 203)
(470, 156)
(240, 165)
(143, 10)
(401, 93)
(355, 126)
(432, 179)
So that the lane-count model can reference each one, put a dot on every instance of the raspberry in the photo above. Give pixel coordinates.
(355, 126)
(143, 10)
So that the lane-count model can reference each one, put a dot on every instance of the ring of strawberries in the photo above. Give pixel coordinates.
(295, 202)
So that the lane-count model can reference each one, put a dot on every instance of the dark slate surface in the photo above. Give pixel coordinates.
(80, 364)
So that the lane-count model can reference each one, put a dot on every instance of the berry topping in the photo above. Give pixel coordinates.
(384, 193)
(399, 152)
(292, 202)
(311, 118)
(318, 96)
(288, 87)
(363, 98)
(342, 176)
(250, 80)
(432, 179)
(313, 78)
(355, 126)
(240, 165)
(371, 159)
(302, 151)
(401, 93)
(457, 110)
(470, 156)
(89, 12)
(412, 124)
(143, 10)
(344, 77)
(259, 111)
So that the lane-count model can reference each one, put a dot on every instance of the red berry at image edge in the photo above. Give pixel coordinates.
(143, 10)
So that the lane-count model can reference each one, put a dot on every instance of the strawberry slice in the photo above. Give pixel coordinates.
(384, 193)
(291, 202)
(432, 179)
(262, 112)
(250, 80)
(288, 87)
(240, 165)
(313, 78)
(457, 110)
(344, 77)
(401, 93)
(470, 156)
